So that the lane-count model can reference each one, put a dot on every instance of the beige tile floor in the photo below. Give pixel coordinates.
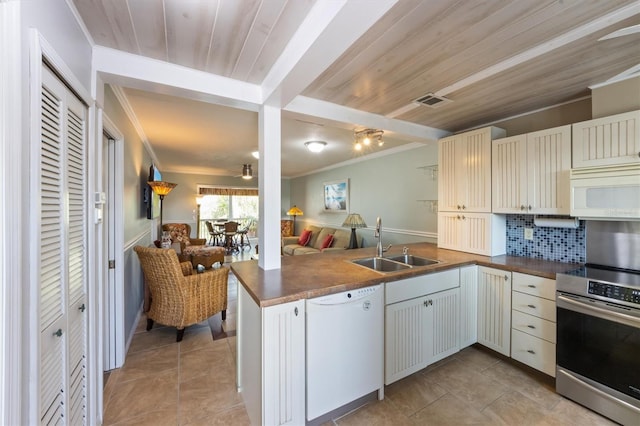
(193, 383)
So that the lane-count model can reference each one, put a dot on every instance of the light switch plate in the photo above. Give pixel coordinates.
(528, 233)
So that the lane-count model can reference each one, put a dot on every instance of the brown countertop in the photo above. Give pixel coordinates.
(315, 275)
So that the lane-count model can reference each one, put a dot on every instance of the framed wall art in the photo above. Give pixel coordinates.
(336, 196)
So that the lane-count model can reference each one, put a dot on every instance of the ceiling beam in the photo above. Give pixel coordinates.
(330, 28)
(139, 72)
(345, 117)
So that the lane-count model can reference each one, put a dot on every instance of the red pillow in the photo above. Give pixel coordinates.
(327, 242)
(304, 238)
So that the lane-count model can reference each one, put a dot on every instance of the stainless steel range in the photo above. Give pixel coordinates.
(598, 324)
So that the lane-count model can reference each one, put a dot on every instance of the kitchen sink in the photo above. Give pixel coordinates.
(412, 260)
(381, 264)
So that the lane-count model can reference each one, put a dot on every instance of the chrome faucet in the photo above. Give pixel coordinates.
(378, 234)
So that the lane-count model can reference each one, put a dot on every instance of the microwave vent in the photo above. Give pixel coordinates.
(432, 101)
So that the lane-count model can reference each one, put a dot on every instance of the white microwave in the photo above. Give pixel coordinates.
(611, 192)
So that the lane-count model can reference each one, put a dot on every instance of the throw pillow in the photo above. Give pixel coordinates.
(326, 242)
(304, 238)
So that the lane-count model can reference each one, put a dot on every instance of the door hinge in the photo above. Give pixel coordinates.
(112, 264)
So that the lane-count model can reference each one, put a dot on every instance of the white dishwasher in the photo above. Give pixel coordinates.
(345, 348)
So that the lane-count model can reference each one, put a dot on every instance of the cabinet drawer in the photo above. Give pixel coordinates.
(534, 352)
(533, 305)
(410, 288)
(535, 326)
(535, 286)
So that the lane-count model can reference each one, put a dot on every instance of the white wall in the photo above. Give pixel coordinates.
(137, 228)
(389, 187)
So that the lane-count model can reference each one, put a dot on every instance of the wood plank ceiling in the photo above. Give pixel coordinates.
(492, 58)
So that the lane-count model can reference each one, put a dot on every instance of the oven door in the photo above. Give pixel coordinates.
(600, 341)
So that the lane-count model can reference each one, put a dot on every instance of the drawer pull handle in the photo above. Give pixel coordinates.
(295, 311)
(531, 326)
(506, 277)
(531, 351)
(531, 286)
(58, 333)
(532, 306)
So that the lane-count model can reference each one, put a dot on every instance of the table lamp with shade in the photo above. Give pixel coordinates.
(353, 221)
(294, 211)
(161, 188)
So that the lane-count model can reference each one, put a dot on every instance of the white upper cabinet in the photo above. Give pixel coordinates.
(464, 169)
(531, 172)
(607, 141)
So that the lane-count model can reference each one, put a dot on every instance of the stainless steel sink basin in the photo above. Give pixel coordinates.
(381, 264)
(412, 260)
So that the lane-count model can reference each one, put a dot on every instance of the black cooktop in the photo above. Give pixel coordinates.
(626, 277)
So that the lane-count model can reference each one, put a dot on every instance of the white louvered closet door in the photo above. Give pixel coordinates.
(62, 254)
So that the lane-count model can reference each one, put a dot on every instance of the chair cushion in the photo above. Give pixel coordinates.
(179, 232)
(304, 237)
(202, 250)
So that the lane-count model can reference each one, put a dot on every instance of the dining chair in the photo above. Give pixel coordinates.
(215, 234)
(243, 233)
(230, 234)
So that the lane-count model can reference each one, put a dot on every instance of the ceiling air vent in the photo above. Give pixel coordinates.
(432, 101)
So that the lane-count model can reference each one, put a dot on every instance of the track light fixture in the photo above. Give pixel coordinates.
(364, 138)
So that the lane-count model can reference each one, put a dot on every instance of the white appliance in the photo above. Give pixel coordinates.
(610, 192)
(344, 348)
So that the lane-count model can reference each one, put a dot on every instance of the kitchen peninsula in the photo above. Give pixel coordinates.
(271, 314)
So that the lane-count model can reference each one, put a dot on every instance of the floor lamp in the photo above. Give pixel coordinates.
(353, 221)
(161, 188)
(294, 211)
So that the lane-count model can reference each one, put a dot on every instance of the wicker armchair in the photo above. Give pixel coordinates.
(179, 297)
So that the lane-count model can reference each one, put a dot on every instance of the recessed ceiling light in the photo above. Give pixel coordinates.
(315, 146)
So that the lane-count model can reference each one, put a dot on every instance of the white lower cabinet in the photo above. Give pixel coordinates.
(533, 322)
(494, 309)
(421, 322)
(271, 361)
(468, 305)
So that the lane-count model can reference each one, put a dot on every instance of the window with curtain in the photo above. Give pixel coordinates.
(218, 204)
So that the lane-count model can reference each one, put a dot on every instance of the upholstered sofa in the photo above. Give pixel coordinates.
(341, 238)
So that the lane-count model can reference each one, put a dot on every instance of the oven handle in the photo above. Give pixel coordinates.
(591, 309)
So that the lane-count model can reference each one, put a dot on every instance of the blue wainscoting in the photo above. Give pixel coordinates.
(557, 244)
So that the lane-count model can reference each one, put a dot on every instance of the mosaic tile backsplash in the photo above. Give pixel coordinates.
(557, 244)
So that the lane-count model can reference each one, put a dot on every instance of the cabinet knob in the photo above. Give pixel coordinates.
(458, 217)
(522, 207)
(82, 308)
(463, 217)
(506, 277)
(464, 207)
(458, 206)
(529, 208)
(295, 311)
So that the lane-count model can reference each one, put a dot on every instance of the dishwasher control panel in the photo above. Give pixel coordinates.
(347, 296)
(361, 292)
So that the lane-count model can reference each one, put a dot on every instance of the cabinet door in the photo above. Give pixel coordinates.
(449, 164)
(443, 324)
(549, 165)
(494, 309)
(607, 141)
(509, 174)
(407, 342)
(476, 233)
(449, 231)
(468, 305)
(474, 178)
(283, 391)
